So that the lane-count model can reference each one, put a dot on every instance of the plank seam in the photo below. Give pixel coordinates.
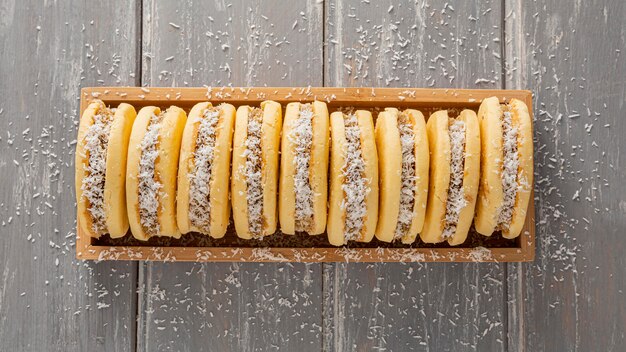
(326, 267)
(505, 307)
(139, 68)
(503, 56)
(324, 43)
(503, 69)
(505, 286)
(139, 323)
(135, 347)
(515, 339)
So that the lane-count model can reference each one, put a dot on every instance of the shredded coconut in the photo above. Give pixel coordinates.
(480, 254)
(456, 199)
(96, 144)
(302, 136)
(253, 173)
(149, 185)
(200, 176)
(355, 187)
(407, 192)
(510, 166)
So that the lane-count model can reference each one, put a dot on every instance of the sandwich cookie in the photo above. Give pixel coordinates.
(454, 174)
(101, 150)
(507, 167)
(255, 169)
(151, 172)
(303, 182)
(202, 203)
(353, 203)
(403, 158)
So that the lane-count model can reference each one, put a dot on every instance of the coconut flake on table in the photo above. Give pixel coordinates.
(354, 187)
(407, 191)
(96, 144)
(456, 197)
(510, 167)
(201, 173)
(302, 137)
(149, 185)
(252, 170)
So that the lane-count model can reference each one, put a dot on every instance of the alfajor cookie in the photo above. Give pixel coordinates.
(454, 173)
(202, 202)
(101, 150)
(403, 163)
(254, 181)
(303, 184)
(507, 167)
(151, 172)
(353, 202)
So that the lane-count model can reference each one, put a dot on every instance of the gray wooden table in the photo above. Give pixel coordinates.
(572, 55)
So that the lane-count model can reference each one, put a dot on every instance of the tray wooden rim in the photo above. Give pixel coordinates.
(355, 96)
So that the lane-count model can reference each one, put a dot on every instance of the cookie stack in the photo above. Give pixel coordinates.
(166, 173)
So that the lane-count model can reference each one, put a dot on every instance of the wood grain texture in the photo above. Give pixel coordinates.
(49, 301)
(239, 306)
(572, 298)
(571, 54)
(424, 307)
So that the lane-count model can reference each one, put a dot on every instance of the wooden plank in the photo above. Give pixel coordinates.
(221, 306)
(414, 306)
(48, 299)
(572, 57)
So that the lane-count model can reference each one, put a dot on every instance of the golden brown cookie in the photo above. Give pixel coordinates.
(507, 167)
(152, 169)
(403, 163)
(255, 169)
(303, 185)
(353, 202)
(202, 203)
(101, 152)
(454, 174)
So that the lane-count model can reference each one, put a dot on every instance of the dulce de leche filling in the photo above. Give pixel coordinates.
(354, 187)
(302, 137)
(149, 182)
(456, 198)
(510, 165)
(202, 170)
(252, 171)
(408, 177)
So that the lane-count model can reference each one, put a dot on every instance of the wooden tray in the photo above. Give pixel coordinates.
(304, 248)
